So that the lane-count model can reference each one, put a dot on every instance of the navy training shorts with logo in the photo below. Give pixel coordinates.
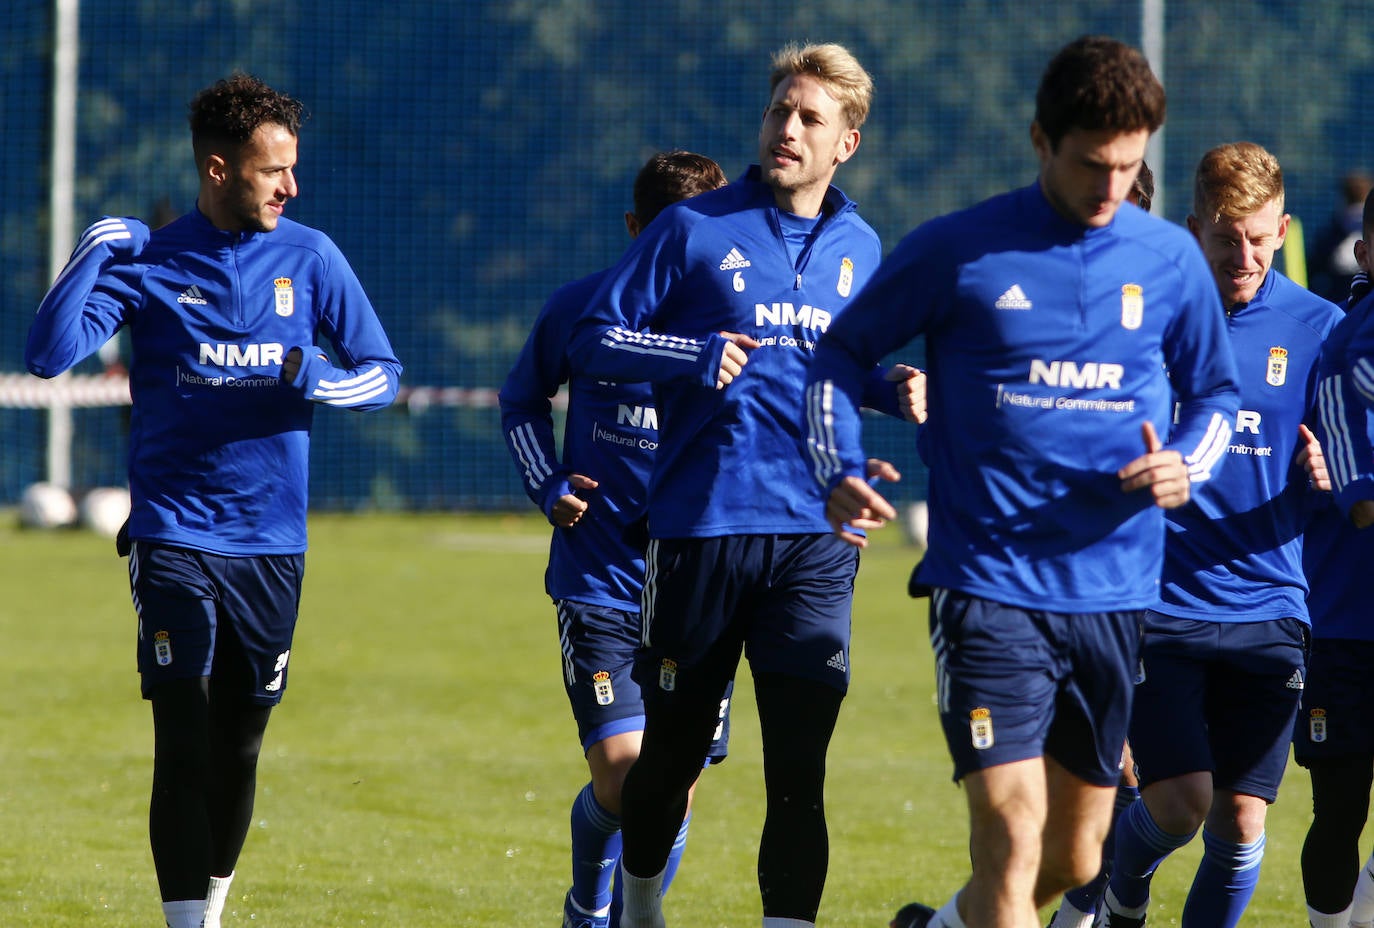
(782, 600)
(598, 645)
(1014, 684)
(1219, 697)
(205, 615)
(1337, 702)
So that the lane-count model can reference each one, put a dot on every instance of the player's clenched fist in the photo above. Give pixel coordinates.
(735, 356)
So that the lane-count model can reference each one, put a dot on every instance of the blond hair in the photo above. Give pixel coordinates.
(1236, 180)
(833, 65)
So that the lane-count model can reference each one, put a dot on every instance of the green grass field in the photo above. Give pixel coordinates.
(420, 769)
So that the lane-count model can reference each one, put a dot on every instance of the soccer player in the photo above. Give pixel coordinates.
(1332, 737)
(720, 304)
(1079, 905)
(225, 308)
(1060, 327)
(594, 497)
(1225, 647)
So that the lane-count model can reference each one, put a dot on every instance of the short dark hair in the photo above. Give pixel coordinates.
(1143, 190)
(1094, 83)
(670, 176)
(227, 113)
(1367, 218)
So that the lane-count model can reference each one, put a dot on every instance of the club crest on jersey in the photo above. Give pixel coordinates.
(1132, 306)
(980, 727)
(285, 296)
(846, 277)
(667, 675)
(162, 648)
(1316, 726)
(601, 685)
(1277, 371)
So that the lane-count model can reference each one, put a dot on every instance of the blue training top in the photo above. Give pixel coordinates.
(1335, 553)
(730, 462)
(1047, 347)
(610, 435)
(218, 447)
(1234, 552)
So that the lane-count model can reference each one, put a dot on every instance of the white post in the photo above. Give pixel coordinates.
(1152, 44)
(62, 202)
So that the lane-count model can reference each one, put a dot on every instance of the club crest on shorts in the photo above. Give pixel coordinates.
(980, 727)
(1316, 726)
(601, 685)
(846, 277)
(667, 675)
(1276, 374)
(162, 648)
(285, 296)
(1132, 306)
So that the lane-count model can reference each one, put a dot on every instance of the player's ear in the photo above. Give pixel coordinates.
(217, 169)
(632, 225)
(849, 143)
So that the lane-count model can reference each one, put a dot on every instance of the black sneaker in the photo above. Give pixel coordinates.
(1106, 918)
(912, 915)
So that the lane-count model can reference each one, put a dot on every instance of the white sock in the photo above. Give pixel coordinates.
(1322, 920)
(215, 898)
(643, 900)
(1068, 916)
(786, 923)
(947, 916)
(1114, 904)
(1362, 905)
(183, 913)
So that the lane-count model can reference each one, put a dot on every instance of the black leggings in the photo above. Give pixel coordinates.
(1331, 853)
(204, 777)
(796, 718)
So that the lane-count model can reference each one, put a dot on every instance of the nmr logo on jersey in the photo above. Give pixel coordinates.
(1090, 375)
(637, 417)
(808, 317)
(259, 355)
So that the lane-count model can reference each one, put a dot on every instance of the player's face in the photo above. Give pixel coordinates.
(804, 137)
(1090, 173)
(260, 179)
(1241, 251)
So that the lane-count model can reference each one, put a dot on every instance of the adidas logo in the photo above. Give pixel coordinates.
(837, 661)
(1014, 298)
(734, 261)
(1295, 681)
(193, 296)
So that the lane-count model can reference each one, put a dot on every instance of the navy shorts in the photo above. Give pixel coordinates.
(1337, 702)
(227, 618)
(1219, 697)
(598, 645)
(782, 600)
(1014, 684)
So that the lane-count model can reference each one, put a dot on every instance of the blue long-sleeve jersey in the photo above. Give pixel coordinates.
(609, 435)
(729, 461)
(1335, 553)
(218, 448)
(1233, 553)
(1047, 345)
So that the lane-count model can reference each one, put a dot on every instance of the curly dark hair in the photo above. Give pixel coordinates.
(228, 112)
(1094, 83)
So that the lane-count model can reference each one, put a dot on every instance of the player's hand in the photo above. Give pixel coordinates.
(1311, 458)
(911, 391)
(854, 504)
(291, 365)
(735, 356)
(1362, 513)
(570, 507)
(124, 236)
(1162, 472)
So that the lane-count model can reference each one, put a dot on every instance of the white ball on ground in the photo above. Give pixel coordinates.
(916, 521)
(46, 505)
(104, 509)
